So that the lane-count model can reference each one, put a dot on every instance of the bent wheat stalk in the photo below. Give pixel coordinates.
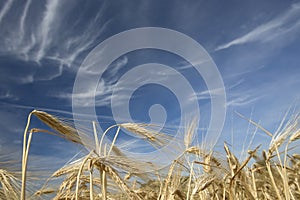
(62, 128)
(24, 158)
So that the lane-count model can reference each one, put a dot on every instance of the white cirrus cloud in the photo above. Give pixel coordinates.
(283, 24)
(5, 9)
(47, 37)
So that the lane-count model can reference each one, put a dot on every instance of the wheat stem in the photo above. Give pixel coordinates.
(24, 158)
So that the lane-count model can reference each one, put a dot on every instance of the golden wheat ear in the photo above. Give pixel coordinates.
(144, 131)
(10, 185)
(66, 131)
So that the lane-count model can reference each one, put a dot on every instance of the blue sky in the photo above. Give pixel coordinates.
(254, 44)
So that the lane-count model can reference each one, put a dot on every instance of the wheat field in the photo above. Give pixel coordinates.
(108, 173)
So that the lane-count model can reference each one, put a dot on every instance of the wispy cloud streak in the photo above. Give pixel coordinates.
(22, 19)
(104, 91)
(5, 9)
(8, 95)
(45, 27)
(283, 24)
(242, 100)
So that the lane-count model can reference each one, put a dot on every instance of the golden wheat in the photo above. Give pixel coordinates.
(272, 173)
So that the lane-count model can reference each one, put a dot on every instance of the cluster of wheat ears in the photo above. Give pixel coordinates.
(108, 173)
